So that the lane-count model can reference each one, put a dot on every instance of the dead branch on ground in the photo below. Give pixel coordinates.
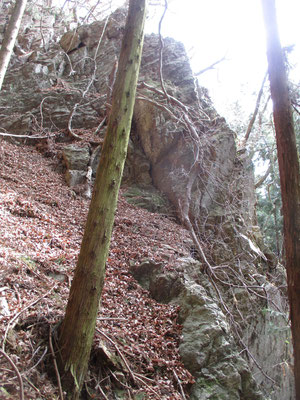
(55, 366)
(11, 322)
(21, 390)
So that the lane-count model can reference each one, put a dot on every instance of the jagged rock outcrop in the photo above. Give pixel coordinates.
(208, 348)
(51, 85)
(46, 89)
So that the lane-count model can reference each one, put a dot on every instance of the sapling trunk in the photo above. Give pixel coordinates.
(77, 330)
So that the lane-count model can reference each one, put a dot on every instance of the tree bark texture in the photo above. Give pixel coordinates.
(77, 330)
(289, 174)
(10, 37)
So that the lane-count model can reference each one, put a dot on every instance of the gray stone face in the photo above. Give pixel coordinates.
(269, 338)
(76, 157)
(207, 348)
(74, 177)
(95, 158)
(145, 272)
(76, 160)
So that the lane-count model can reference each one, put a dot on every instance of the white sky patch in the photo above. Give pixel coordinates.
(212, 29)
(232, 28)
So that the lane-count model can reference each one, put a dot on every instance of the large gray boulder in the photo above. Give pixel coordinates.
(76, 157)
(76, 160)
(207, 347)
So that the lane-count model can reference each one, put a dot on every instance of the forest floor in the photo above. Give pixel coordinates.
(41, 227)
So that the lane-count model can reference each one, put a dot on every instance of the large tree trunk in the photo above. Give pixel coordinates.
(289, 174)
(77, 330)
(10, 37)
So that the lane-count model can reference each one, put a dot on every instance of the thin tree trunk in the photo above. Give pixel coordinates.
(77, 330)
(10, 37)
(289, 174)
(264, 177)
(274, 212)
(253, 118)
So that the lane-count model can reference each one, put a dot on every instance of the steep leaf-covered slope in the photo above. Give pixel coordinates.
(232, 301)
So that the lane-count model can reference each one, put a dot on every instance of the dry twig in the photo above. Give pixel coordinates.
(55, 366)
(119, 352)
(20, 312)
(21, 392)
(24, 136)
(179, 384)
(101, 391)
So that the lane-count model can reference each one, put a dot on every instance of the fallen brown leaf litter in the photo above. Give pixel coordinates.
(135, 350)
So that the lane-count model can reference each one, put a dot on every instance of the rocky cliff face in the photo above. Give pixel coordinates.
(45, 88)
(232, 320)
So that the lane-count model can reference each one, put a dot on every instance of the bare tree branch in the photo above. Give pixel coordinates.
(70, 130)
(212, 66)
(61, 396)
(295, 108)
(161, 50)
(24, 136)
(251, 123)
(263, 178)
(21, 392)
